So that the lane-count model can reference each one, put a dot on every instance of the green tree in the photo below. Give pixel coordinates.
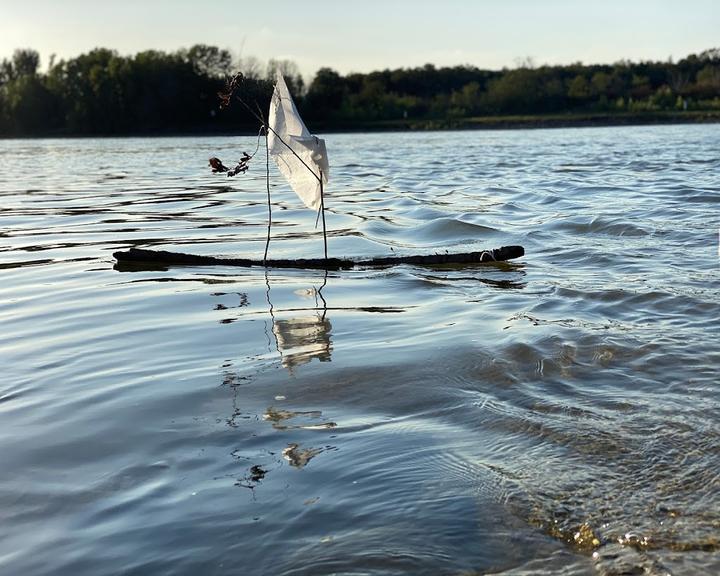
(579, 88)
(467, 100)
(25, 62)
(641, 87)
(28, 107)
(515, 92)
(325, 94)
(708, 81)
(92, 95)
(209, 61)
(31, 108)
(600, 83)
(663, 98)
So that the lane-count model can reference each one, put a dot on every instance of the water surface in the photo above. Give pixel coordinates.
(558, 414)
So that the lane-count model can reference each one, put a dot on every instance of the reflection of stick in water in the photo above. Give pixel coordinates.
(300, 339)
(297, 457)
(294, 419)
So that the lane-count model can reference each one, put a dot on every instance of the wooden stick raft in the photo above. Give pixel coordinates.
(164, 258)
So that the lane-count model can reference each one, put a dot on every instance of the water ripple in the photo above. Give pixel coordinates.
(557, 414)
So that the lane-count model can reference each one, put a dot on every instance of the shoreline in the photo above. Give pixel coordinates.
(516, 122)
(528, 121)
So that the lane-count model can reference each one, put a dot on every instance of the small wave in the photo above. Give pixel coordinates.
(702, 197)
(576, 168)
(599, 225)
(24, 263)
(444, 228)
(443, 232)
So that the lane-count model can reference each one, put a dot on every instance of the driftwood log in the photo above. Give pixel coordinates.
(164, 258)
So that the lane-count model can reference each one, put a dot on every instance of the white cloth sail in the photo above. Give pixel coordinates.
(287, 126)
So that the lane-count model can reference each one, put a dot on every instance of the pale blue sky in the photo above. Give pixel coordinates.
(371, 35)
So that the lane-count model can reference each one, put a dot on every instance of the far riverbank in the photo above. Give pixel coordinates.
(569, 120)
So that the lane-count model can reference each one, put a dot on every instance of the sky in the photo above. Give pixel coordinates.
(368, 35)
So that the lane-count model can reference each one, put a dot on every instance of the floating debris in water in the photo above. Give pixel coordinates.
(257, 473)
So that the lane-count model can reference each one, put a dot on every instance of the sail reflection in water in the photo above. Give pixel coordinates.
(300, 339)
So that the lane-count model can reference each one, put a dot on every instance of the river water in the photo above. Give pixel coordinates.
(558, 414)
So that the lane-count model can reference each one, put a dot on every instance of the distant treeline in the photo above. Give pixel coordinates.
(155, 92)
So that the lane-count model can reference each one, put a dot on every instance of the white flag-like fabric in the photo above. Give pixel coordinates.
(287, 126)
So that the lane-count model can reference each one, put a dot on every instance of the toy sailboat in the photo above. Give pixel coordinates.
(302, 159)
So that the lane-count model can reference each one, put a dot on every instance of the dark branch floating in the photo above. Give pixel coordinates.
(164, 258)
